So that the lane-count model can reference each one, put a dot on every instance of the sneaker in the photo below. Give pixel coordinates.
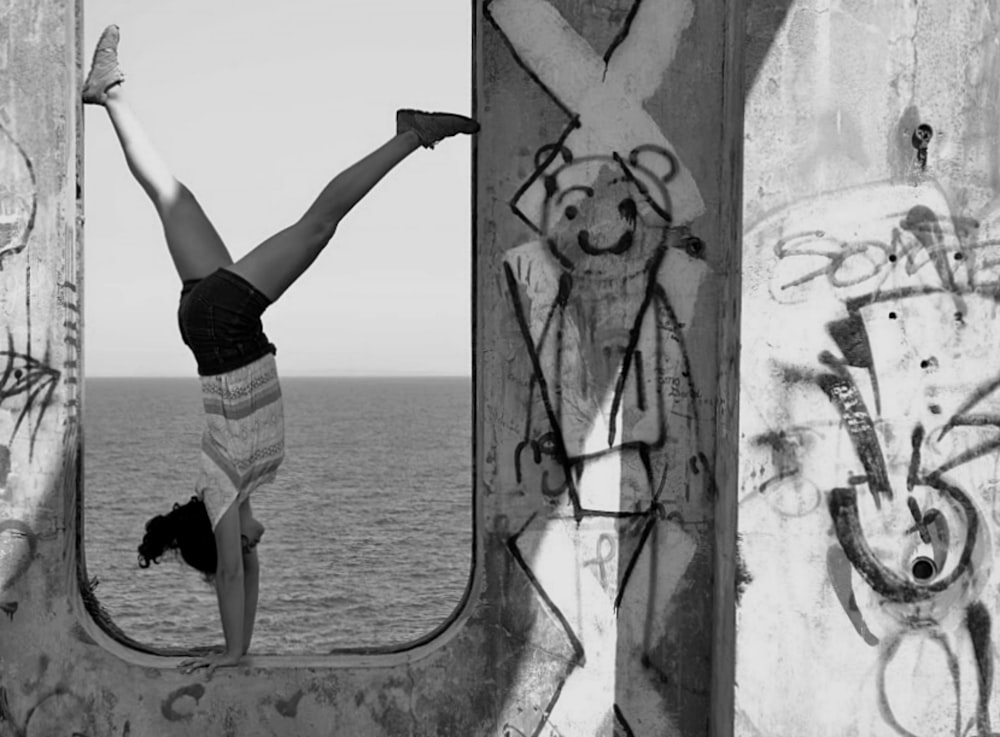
(104, 72)
(432, 127)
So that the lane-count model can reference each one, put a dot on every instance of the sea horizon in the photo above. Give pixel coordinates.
(368, 537)
(286, 375)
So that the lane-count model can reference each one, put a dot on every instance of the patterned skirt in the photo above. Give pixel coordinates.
(244, 440)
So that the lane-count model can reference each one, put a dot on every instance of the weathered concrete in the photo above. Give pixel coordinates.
(603, 565)
(869, 416)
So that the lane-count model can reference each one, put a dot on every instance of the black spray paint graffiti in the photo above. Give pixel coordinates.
(627, 74)
(603, 297)
(540, 718)
(595, 302)
(18, 197)
(925, 593)
(29, 381)
(31, 384)
(905, 364)
(915, 239)
(921, 141)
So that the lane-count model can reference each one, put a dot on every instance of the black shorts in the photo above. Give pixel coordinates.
(219, 319)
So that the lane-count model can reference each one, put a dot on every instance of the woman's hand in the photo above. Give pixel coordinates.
(210, 663)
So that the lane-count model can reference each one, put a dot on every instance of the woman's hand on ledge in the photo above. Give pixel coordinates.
(210, 663)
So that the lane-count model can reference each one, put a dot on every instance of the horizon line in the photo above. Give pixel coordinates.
(289, 376)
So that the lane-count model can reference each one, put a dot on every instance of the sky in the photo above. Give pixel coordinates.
(256, 105)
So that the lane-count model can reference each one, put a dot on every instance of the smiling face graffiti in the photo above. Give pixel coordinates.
(607, 206)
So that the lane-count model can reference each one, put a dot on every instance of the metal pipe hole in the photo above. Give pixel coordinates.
(923, 569)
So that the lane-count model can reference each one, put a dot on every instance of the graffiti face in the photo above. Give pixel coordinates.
(605, 206)
(598, 220)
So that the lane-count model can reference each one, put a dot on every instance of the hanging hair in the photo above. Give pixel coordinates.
(187, 530)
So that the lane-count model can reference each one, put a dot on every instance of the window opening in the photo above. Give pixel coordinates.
(367, 537)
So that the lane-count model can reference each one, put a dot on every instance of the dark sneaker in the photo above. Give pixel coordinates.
(104, 72)
(432, 127)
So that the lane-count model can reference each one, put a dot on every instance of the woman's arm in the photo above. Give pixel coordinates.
(229, 588)
(230, 579)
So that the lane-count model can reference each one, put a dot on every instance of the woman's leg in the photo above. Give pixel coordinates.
(195, 246)
(277, 262)
(281, 259)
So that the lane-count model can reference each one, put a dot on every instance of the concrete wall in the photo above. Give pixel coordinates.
(605, 259)
(869, 416)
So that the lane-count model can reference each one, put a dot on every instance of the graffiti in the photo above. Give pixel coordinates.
(622, 727)
(787, 491)
(31, 380)
(917, 238)
(603, 304)
(921, 141)
(605, 554)
(890, 652)
(863, 241)
(902, 445)
(888, 584)
(604, 95)
(604, 299)
(531, 721)
(18, 197)
(544, 449)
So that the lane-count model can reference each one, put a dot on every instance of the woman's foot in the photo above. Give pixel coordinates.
(432, 127)
(104, 71)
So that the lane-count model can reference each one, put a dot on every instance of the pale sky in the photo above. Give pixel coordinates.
(256, 105)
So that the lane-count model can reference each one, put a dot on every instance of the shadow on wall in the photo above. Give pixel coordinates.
(764, 19)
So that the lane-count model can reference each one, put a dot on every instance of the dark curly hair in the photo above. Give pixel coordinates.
(185, 529)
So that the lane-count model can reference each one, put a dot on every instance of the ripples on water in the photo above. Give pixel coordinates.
(368, 527)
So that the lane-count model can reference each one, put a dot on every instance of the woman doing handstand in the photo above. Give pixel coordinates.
(219, 317)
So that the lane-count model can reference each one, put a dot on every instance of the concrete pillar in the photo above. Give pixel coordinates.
(869, 417)
(605, 262)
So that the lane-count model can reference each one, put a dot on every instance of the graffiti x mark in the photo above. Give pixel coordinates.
(603, 95)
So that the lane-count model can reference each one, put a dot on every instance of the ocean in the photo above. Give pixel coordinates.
(368, 537)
